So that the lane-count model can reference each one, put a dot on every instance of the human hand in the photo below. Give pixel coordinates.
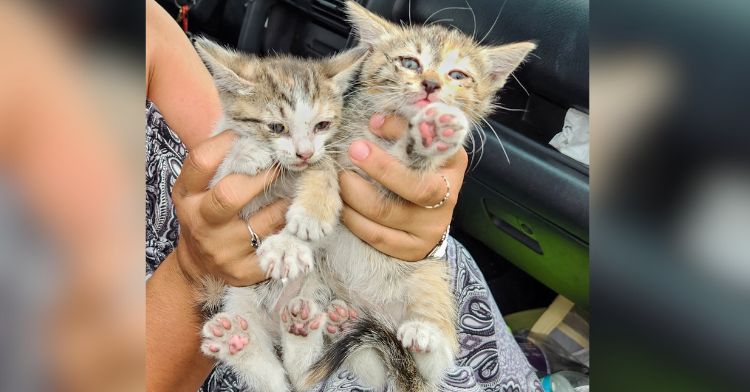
(213, 239)
(404, 230)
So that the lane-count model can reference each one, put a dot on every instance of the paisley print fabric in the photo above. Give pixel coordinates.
(164, 155)
(489, 360)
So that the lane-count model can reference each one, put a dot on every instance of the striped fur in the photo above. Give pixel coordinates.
(369, 332)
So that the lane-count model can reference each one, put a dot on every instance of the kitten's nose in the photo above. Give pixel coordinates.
(430, 85)
(304, 155)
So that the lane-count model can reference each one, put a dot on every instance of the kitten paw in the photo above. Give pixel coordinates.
(419, 336)
(300, 317)
(305, 227)
(439, 129)
(340, 317)
(284, 256)
(224, 335)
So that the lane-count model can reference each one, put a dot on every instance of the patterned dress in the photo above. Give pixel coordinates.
(489, 358)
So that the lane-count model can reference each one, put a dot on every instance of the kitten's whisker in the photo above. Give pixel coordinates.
(473, 16)
(498, 139)
(409, 12)
(519, 83)
(509, 109)
(440, 20)
(443, 9)
(493, 23)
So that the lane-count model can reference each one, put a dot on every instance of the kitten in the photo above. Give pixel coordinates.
(286, 113)
(442, 81)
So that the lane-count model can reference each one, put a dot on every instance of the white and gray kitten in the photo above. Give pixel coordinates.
(286, 113)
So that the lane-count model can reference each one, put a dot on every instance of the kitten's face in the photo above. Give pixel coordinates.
(412, 66)
(292, 106)
(295, 111)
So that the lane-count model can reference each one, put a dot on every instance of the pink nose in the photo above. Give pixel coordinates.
(304, 155)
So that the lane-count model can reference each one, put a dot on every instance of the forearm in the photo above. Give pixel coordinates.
(174, 361)
(177, 81)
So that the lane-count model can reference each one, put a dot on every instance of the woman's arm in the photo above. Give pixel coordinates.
(213, 240)
(176, 79)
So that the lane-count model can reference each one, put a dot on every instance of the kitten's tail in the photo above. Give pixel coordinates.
(368, 332)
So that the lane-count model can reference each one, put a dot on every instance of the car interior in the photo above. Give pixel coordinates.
(524, 218)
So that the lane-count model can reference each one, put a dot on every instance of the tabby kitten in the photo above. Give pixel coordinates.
(443, 81)
(286, 113)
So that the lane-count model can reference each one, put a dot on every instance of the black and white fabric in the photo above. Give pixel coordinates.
(489, 360)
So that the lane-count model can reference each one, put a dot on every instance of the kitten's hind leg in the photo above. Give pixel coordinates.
(247, 349)
(428, 330)
(340, 317)
(301, 337)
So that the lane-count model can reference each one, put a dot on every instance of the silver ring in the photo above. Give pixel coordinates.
(254, 239)
(445, 198)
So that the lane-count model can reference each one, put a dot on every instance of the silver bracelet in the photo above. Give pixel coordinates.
(438, 251)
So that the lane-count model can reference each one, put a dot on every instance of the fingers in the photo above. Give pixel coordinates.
(418, 188)
(232, 245)
(388, 127)
(266, 221)
(393, 242)
(363, 197)
(201, 163)
(225, 200)
(270, 219)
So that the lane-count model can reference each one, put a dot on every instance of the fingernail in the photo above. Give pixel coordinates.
(359, 150)
(377, 121)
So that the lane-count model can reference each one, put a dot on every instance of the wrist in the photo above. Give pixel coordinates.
(185, 267)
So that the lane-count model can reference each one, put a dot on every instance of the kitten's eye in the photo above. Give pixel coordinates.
(276, 127)
(322, 126)
(410, 63)
(458, 75)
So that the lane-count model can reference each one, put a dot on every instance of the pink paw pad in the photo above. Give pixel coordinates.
(440, 128)
(445, 118)
(340, 317)
(427, 131)
(225, 334)
(237, 343)
(298, 316)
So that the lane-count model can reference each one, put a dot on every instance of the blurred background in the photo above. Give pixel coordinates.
(670, 195)
(71, 195)
(670, 204)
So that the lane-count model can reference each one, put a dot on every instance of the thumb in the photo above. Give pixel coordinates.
(389, 127)
(373, 160)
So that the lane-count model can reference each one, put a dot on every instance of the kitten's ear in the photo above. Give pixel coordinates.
(368, 26)
(343, 67)
(220, 61)
(502, 60)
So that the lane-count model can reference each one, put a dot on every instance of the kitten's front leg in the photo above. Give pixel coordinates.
(313, 215)
(317, 205)
(438, 131)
